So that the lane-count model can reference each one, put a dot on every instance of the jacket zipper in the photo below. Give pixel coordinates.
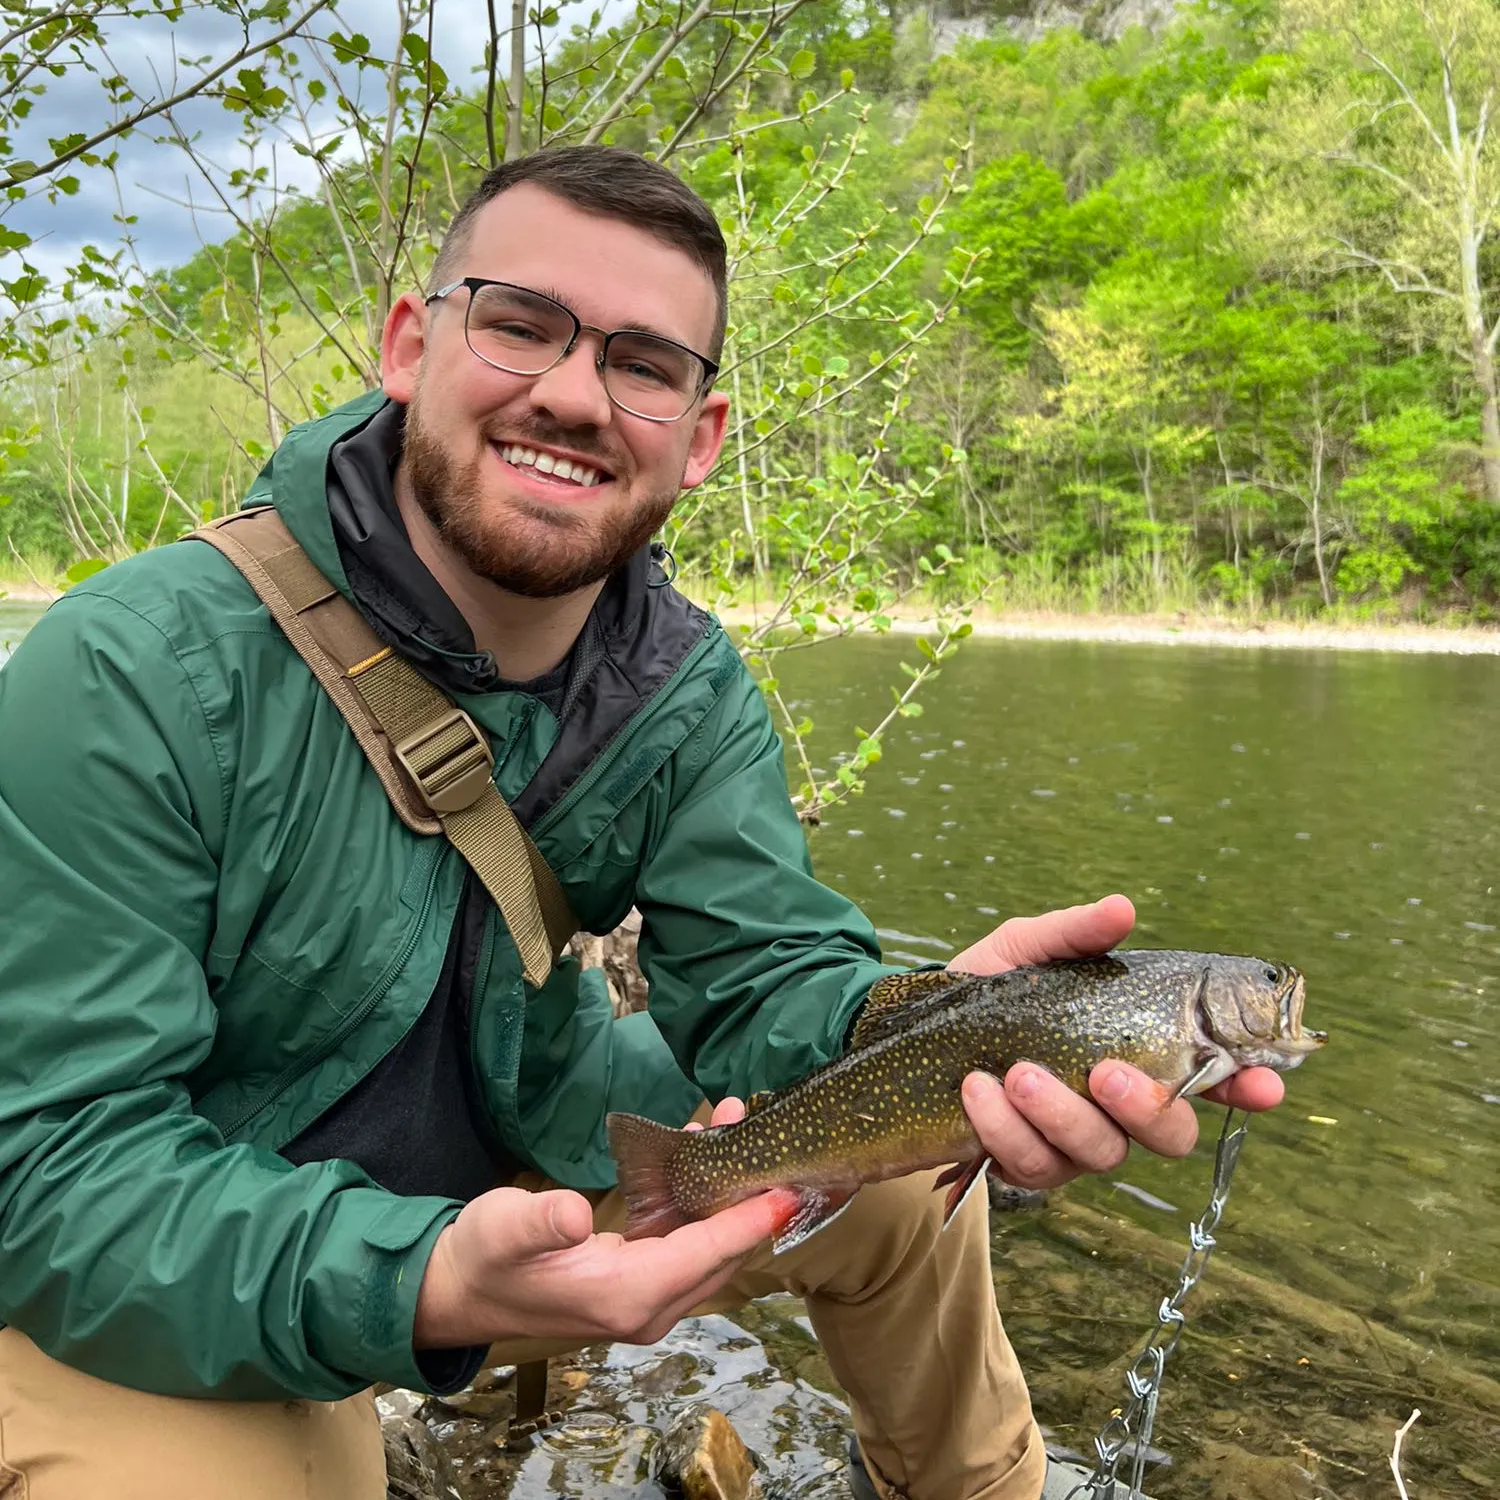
(304, 1065)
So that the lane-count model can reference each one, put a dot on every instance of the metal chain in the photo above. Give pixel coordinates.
(1132, 1423)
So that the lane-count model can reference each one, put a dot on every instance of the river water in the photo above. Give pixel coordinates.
(1333, 810)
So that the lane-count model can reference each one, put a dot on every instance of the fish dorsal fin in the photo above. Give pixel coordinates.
(888, 1005)
(758, 1101)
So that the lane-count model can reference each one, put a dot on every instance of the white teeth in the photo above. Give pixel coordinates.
(546, 463)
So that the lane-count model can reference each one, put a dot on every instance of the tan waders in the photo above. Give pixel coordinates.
(906, 1316)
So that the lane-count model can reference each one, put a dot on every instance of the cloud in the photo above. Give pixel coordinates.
(155, 181)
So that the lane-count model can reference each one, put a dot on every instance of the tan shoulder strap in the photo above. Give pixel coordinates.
(432, 759)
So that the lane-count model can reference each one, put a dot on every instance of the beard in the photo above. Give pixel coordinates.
(532, 549)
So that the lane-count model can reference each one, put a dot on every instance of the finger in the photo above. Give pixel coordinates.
(1087, 1137)
(1074, 932)
(682, 1261)
(1250, 1089)
(728, 1111)
(544, 1222)
(1145, 1109)
(1022, 1154)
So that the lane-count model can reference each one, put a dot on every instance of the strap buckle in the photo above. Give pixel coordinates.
(449, 760)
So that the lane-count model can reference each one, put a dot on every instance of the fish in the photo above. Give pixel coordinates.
(891, 1104)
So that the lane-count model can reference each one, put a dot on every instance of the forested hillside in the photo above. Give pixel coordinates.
(1034, 303)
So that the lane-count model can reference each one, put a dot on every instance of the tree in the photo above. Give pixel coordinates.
(1400, 96)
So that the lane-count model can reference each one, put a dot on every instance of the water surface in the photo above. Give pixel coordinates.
(1334, 810)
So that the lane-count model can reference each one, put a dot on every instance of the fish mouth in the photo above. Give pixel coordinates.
(1293, 1038)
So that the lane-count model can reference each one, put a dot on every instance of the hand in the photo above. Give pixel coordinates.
(515, 1264)
(1039, 1132)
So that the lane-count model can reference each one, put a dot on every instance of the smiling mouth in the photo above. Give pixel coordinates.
(538, 464)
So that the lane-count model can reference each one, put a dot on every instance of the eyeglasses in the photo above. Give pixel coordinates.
(525, 333)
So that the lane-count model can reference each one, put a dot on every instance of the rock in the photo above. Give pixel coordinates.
(616, 955)
(399, 1403)
(705, 1457)
(416, 1468)
(493, 1378)
(1005, 1199)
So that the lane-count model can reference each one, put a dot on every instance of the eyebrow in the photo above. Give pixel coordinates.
(629, 327)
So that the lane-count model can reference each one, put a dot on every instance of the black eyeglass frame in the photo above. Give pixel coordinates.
(476, 283)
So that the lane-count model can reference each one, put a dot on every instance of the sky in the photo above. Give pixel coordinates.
(156, 181)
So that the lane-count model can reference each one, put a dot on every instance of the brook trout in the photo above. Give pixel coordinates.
(891, 1104)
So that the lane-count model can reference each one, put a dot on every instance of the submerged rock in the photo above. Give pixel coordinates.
(702, 1455)
(416, 1468)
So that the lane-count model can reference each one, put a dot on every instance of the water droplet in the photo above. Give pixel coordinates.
(1343, 937)
(916, 854)
(1413, 900)
(1457, 1043)
(989, 859)
(896, 812)
(1042, 791)
(1304, 835)
(988, 911)
(1480, 926)
(854, 833)
(1238, 748)
(958, 744)
(944, 786)
(948, 895)
(1164, 817)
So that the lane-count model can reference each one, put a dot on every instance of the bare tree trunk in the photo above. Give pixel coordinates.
(513, 146)
(1315, 511)
(1489, 415)
(1472, 294)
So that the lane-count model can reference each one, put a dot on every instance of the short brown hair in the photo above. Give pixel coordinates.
(619, 184)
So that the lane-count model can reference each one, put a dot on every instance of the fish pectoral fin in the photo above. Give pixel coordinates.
(816, 1210)
(885, 1005)
(1213, 1065)
(960, 1180)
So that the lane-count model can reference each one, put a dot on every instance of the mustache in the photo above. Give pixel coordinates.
(582, 441)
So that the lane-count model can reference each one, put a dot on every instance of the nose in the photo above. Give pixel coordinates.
(572, 391)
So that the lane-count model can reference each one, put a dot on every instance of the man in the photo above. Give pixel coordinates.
(268, 1052)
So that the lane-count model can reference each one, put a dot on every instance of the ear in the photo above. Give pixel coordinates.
(402, 346)
(709, 427)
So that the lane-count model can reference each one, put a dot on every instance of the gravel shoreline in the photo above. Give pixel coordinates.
(1458, 640)
(1455, 640)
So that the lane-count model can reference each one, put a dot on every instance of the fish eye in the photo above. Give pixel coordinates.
(1273, 974)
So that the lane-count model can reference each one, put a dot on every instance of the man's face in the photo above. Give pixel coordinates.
(473, 432)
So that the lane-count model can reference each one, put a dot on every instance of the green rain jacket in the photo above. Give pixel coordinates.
(213, 925)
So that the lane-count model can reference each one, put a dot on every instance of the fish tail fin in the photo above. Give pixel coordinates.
(644, 1152)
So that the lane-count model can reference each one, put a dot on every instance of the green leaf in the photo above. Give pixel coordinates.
(674, 67)
(846, 78)
(85, 567)
(802, 64)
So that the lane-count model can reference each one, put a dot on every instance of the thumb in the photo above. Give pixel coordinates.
(550, 1221)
